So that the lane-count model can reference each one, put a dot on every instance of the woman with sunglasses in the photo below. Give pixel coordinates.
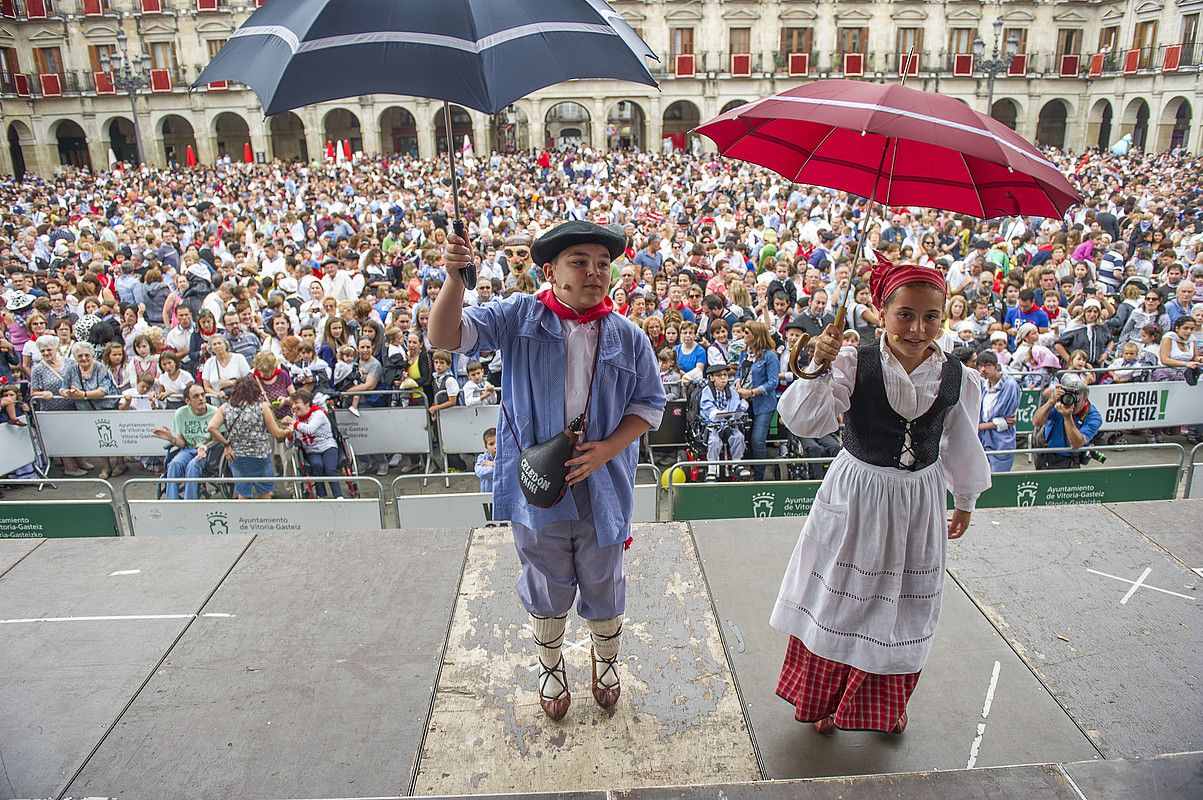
(1151, 312)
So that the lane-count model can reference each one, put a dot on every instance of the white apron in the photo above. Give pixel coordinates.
(863, 586)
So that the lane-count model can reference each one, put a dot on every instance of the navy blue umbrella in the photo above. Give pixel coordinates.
(482, 54)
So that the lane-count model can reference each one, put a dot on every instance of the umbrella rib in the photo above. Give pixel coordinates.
(750, 131)
(976, 191)
(813, 153)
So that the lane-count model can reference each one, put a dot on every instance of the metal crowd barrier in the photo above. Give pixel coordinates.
(475, 509)
(179, 517)
(1192, 488)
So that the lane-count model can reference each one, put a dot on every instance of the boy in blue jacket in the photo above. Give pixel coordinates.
(565, 350)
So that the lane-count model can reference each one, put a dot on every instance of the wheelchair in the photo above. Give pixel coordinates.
(347, 466)
(216, 466)
(697, 435)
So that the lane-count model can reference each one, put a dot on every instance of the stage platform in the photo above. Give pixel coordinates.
(397, 663)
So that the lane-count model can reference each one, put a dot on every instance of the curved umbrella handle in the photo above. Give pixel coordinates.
(800, 372)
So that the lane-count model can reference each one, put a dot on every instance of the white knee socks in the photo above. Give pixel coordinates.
(606, 635)
(549, 637)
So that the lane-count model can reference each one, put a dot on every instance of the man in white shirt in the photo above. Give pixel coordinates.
(342, 282)
(272, 262)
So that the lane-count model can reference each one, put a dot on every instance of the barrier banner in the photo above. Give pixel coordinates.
(103, 433)
(1009, 490)
(462, 428)
(386, 430)
(1029, 401)
(16, 447)
(1166, 404)
(1087, 486)
(56, 519)
(743, 500)
(182, 517)
(475, 509)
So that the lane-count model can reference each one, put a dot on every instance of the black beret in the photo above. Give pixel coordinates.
(560, 238)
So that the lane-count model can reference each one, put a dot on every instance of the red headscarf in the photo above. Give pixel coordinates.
(887, 277)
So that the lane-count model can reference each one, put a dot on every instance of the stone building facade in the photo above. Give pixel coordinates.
(1085, 72)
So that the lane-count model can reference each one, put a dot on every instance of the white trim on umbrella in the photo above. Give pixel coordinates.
(413, 37)
(816, 101)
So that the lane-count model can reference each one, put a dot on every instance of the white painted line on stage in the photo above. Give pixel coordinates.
(1136, 586)
(125, 572)
(981, 726)
(1198, 571)
(1139, 583)
(112, 618)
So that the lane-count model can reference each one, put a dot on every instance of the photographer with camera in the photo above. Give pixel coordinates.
(1074, 425)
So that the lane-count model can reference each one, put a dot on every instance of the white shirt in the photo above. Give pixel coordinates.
(810, 408)
(580, 342)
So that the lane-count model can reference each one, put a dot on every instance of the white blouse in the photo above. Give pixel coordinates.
(811, 408)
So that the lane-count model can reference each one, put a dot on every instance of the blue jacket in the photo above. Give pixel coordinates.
(485, 474)
(764, 375)
(708, 404)
(532, 394)
(992, 438)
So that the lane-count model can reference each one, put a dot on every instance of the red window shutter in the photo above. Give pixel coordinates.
(35, 9)
(910, 67)
(1096, 64)
(1173, 57)
(1132, 61)
(1071, 63)
(1018, 66)
(51, 85)
(104, 83)
(8, 8)
(217, 86)
(685, 66)
(160, 80)
(206, 5)
(152, 6)
(21, 81)
(962, 65)
(741, 65)
(799, 63)
(92, 8)
(854, 64)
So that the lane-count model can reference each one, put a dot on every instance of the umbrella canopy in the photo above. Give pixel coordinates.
(190, 156)
(479, 55)
(898, 145)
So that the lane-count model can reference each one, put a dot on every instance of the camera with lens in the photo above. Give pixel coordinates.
(1070, 399)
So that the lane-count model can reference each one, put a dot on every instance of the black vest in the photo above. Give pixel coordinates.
(875, 433)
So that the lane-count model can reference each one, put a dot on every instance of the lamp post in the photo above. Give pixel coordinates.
(130, 74)
(994, 64)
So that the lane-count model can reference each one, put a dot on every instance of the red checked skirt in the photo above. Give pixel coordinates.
(860, 701)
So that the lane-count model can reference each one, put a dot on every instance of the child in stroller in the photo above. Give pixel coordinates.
(722, 413)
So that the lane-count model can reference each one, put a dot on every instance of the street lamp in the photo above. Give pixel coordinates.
(994, 64)
(130, 73)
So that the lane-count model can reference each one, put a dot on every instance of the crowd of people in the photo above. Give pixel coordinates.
(300, 286)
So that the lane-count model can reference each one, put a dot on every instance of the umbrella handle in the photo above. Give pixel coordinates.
(801, 372)
(468, 273)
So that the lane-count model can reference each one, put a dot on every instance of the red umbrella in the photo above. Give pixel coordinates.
(347, 148)
(898, 145)
(329, 150)
(247, 155)
(190, 157)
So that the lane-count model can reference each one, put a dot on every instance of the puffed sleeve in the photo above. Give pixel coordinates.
(811, 408)
(966, 471)
(487, 326)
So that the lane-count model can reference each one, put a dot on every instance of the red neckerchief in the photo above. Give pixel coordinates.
(274, 375)
(305, 417)
(549, 299)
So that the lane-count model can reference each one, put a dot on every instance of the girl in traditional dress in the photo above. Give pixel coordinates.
(861, 595)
